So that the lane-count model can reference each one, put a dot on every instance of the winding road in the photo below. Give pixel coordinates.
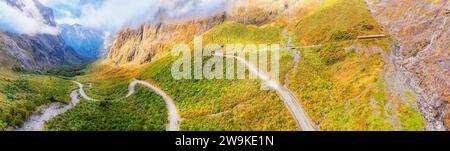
(83, 93)
(174, 118)
(37, 120)
(289, 99)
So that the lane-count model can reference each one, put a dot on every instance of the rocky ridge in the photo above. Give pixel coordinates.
(421, 52)
(137, 46)
(38, 51)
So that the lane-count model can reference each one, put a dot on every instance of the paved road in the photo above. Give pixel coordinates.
(174, 118)
(83, 93)
(37, 120)
(286, 95)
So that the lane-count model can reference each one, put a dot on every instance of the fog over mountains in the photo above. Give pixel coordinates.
(26, 17)
(83, 25)
(29, 37)
(397, 79)
(112, 15)
(86, 41)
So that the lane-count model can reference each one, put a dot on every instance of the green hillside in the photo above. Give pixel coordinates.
(343, 88)
(336, 20)
(216, 104)
(23, 93)
(340, 82)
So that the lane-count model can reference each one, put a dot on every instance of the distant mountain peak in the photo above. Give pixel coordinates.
(85, 41)
(35, 50)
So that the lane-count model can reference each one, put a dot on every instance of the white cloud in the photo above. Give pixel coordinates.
(116, 13)
(45, 2)
(112, 15)
(185, 8)
(68, 20)
(13, 20)
(106, 15)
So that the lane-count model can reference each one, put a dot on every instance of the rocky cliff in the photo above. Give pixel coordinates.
(255, 12)
(35, 51)
(140, 45)
(421, 52)
(258, 12)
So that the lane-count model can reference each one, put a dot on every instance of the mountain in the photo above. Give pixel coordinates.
(34, 9)
(421, 52)
(107, 44)
(35, 51)
(85, 41)
(342, 81)
(141, 45)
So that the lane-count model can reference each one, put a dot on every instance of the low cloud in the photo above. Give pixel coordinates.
(105, 15)
(13, 20)
(187, 8)
(112, 15)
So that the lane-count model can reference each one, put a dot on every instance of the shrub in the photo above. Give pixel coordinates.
(343, 35)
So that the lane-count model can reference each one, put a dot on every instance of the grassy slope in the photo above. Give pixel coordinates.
(344, 90)
(221, 104)
(336, 20)
(203, 104)
(21, 94)
(226, 104)
(109, 81)
(341, 90)
(234, 33)
(144, 111)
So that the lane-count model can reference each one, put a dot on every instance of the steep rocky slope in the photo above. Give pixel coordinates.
(35, 51)
(421, 52)
(258, 12)
(141, 45)
(382, 95)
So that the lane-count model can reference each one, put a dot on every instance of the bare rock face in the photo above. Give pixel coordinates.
(138, 46)
(421, 52)
(256, 12)
(39, 51)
